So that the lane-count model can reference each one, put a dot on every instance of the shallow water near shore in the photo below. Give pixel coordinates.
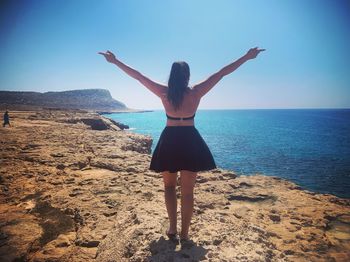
(310, 147)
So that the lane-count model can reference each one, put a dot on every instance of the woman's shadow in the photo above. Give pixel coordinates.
(171, 250)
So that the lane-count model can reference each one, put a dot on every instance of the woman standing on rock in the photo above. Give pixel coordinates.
(180, 147)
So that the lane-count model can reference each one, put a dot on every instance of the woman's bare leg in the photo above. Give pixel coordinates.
(170, 199)
(188, 180)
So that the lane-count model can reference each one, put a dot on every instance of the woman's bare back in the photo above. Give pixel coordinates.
(187, 108)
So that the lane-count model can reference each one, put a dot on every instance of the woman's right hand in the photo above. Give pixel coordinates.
(110, 57)
(253, 52)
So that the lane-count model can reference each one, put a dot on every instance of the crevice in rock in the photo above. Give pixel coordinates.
(256, 198)
(53, 222)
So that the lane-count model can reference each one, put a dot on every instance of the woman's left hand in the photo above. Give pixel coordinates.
(110, 57)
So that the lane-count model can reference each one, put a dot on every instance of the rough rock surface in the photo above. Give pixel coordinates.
(70, 193)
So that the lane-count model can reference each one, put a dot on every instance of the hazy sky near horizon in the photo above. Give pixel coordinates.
(52, 45)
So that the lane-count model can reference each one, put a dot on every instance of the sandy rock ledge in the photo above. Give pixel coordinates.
(75, 187)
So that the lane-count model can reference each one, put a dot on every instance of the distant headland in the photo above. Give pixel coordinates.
(99, 100)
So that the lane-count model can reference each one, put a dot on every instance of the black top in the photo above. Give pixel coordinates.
(180, 118)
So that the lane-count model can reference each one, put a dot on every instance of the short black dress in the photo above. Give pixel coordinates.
(181, 148)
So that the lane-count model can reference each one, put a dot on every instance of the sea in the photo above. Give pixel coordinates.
(310, 147)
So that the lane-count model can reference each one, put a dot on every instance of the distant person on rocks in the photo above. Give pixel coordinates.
(180, 147)
(6, 119)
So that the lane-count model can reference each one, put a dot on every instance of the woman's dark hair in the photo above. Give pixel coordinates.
(178, 83)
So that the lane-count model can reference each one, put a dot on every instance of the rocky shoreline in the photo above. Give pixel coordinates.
(75, 187)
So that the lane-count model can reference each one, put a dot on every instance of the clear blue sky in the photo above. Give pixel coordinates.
(52, 45)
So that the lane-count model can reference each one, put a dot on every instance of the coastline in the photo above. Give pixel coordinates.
(72, 193)
(128, 110)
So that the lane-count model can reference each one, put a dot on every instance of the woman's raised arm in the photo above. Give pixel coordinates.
(204, 87)
(156, 88)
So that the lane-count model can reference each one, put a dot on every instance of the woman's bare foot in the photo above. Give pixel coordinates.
(186, 243)
(171, 232)
(172, 235)
(184, 237)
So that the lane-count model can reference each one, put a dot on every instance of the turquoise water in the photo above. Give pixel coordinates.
(310, 147)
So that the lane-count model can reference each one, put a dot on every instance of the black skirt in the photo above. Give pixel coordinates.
(181, 148)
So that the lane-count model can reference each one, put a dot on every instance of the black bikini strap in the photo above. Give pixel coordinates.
(180, 118)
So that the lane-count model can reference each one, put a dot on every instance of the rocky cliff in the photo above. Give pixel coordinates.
(86, 99)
